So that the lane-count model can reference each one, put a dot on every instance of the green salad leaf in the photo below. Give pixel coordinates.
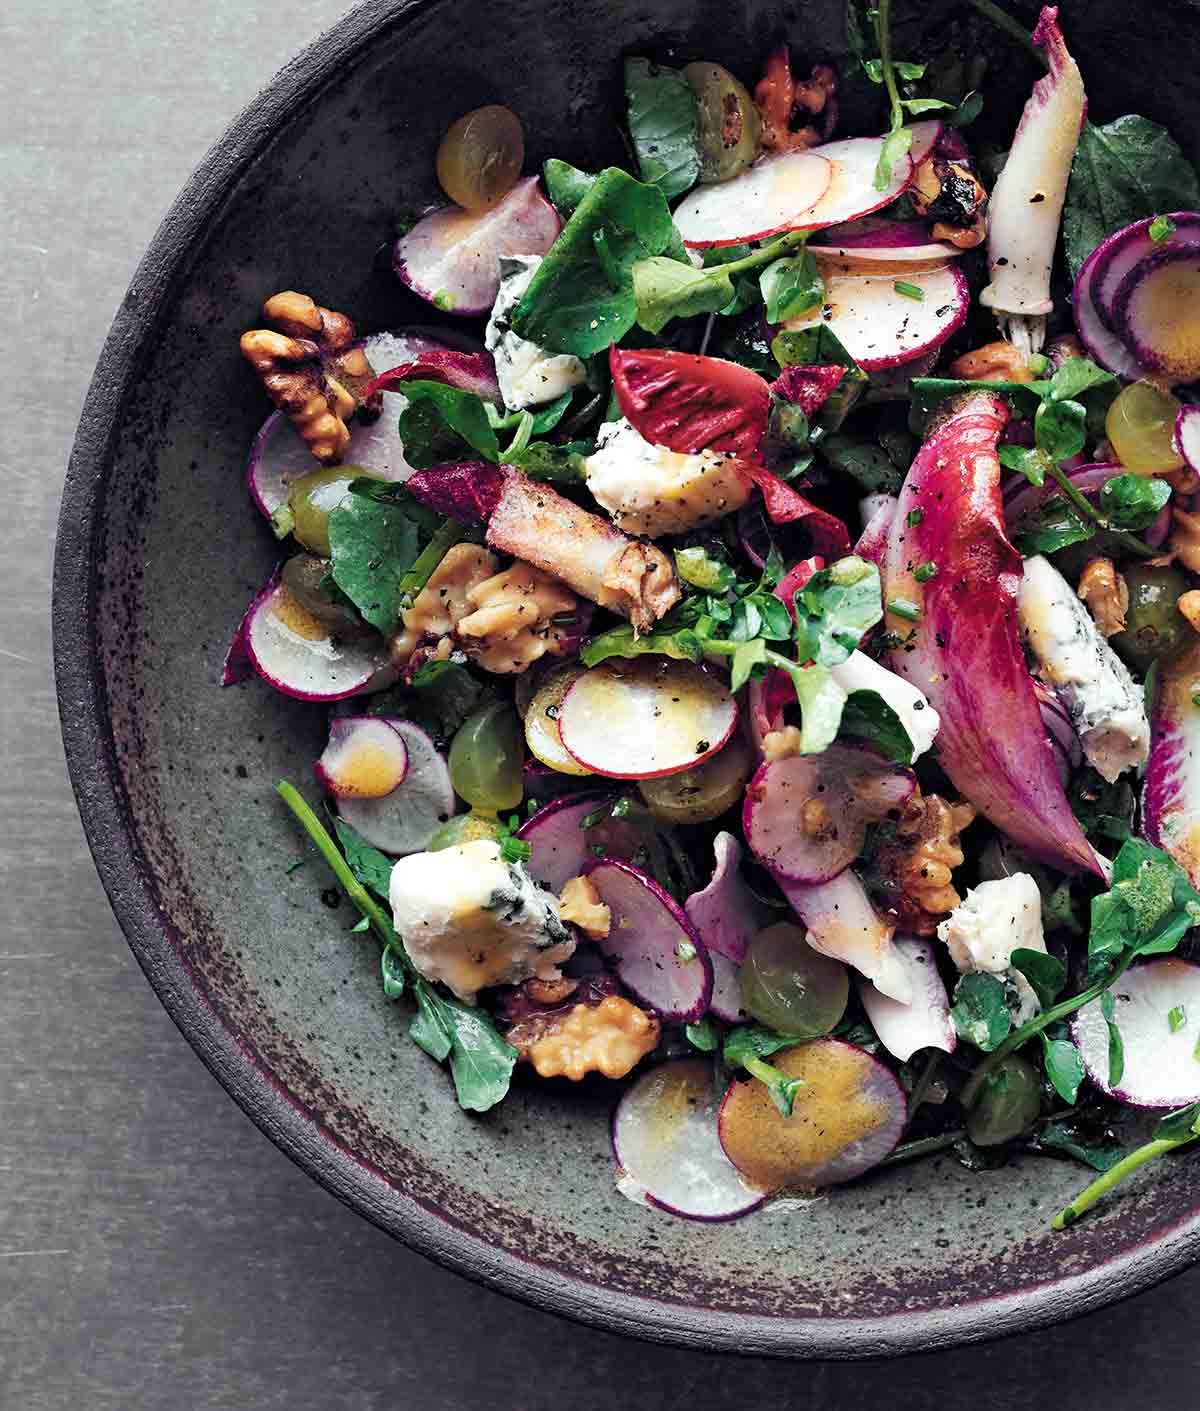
(980, 1011)
(372, 546)
(1133, 501)
(566, 185)
(661, 110)
(442, 424)
(791, 286)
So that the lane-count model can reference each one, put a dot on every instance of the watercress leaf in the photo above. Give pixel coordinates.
(1104, 809)
(1053, 525)
(481, 1062)
(1077, 375)
(775, 622)
(866, 464)
(1180, 1125)
(700, 570)
(967, 111)
(566, 185)
(665, 289)
(683, 644)
(429, 1028)
(1060, 429)
(746, 291)
(1133, 501)
(791, 286)
(746, 620)
(443, 424)
(372, 868)
(547, 418)
(1026, 461)
(1116, 1045)
(392, 971)
(1127, 170)
(822, 701)
(753, 1041)
(1046, 973)
(570, 305)
(703, 1035)
(1064, 1138)
(868, 716)
(542, 460)
(661, 109)
(372, 546)
(748, 657)
(923, 105)
(980, 1013)
(1064, 1067)
(908, 71)
(835, 608)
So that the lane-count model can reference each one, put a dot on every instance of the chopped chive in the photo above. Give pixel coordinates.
(914, 518)
(905, 608)
(925, 571)
(1196, 695)
(910, 291)
(292, 866)
(1177, 1018)
(1161, 228)
(1196, 1051)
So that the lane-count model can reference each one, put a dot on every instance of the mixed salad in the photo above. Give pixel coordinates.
(760, 629)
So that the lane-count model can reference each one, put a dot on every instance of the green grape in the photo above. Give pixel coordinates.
(728, 127)
(302, 577)
(464, 828)
(790, 987)
(700, 794)
(1154, 626)
(486, 758)
(313, 497)
(481, 156)
(1141, 427)
(1008, 1104)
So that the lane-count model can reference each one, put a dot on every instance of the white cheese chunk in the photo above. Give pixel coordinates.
(650, 490)
(859, 672)
(529, 376)
(470, 919)
(993, 920)
(1105, 705)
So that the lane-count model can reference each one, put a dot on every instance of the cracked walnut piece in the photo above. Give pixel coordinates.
(1000, 361)
(915, 865)
(579, 903)
(778, 97)
(443, 602)
(311, 369)
(608, 1038)
(1106, 594)
(512, 619)
(1189, 606)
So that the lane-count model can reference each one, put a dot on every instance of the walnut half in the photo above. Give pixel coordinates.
(914, 866)
(1106, 594)
(608, 1038)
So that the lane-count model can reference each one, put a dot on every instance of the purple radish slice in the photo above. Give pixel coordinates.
(925, 137)
(237, 665)
(1062, 735)
(1127, 248)
(873, 233)
(1101, 343)
(1022, 497)
(847, 1118)
(881, 328)
(726, 1002)
(666, 1147)
(1160, 1062)
(842, 924)
(805, 818)
(1187, 435)
(645, 718)
(659, 957)
(452, 257)
(923, 1023)
(1171, 794)
(294, 652)
(563, 848)
(777, 193)
(406, 819)
(726, 913)
(366, 758)
(1157, 313)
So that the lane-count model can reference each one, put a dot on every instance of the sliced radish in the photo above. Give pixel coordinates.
(726, 913)
(237, 665)
(842, 923)
(1157, 313)
(366, 758)
(294, 652)
(925, 137)
(1171, 798)
(406, 819)
(776, 193)
(563, 847)
(847, 1118)
(1187, 435)
(851, 192)
(805, 818)
(726, 1002)
(1101, 343)
(878, 511)
(658, 955)
(452, 257)
(923, 1023)
(878, 240)
(881, 328)
(647, 717)
(541, 721)
(1160, 1069)
(1121, 253)
(667, 1150)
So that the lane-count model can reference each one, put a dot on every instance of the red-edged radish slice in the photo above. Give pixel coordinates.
(541, 721)
(1117, 256)
(1157, 313)
(842, 924)
(406, 819)
(726, 913)
(237, 666)
(923, 1023)
(1171, 795)
(1101, 343)
(1160, 1062)
(777, 193)
(1187, 435)
(366, 758)
(294, 652)
(925, 137)
(726, 1002)
(451, 257)
(851, 192)
(658, 955)
(847, 1118)
(666, 1147)
(562, 847)
(805, 818)
(881, 328)
(647, 717)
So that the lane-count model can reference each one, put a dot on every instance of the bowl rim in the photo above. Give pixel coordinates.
(92, 766)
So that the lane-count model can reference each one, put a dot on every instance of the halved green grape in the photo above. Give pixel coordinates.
(1008, 1104)
(465, 828)
(486, 758)
(728, 127)
(789, 986)
(1141, 427)
(701, 794)
(481, 156)
(302, 577)
(1154, 626)
(315, 496)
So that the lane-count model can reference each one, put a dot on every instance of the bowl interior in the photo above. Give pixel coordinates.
(161, 549)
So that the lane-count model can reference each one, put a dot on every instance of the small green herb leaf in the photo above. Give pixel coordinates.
(1044, 972)
(1161, 228)
(703, 1035)
(372, 547)
(980, 1013)
(1064, 1067)
(661, 109)
(791, 286)
(1133, 501)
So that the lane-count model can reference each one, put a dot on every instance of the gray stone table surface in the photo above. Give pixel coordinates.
(155, 1250)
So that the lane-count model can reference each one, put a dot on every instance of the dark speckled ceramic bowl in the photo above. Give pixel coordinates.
(159, 550)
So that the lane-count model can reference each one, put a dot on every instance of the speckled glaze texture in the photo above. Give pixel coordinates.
(159, 550)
